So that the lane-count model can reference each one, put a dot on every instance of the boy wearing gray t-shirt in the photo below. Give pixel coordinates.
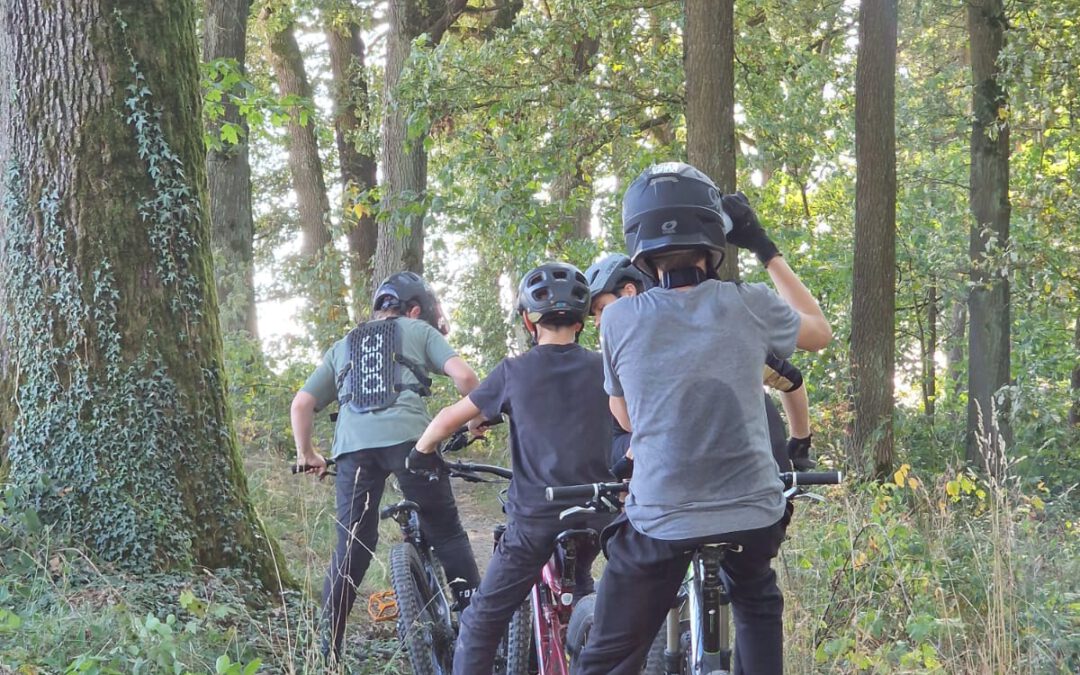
(683, 370)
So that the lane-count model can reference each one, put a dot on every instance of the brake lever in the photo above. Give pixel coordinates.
(808, 495)
(566, 513)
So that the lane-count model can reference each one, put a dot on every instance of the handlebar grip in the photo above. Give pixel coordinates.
(304, 468)
(812, 478)
(589, 491)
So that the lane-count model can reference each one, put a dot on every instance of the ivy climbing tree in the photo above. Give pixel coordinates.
(119, 429)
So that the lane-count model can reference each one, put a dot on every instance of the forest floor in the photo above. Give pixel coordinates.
(941, 573)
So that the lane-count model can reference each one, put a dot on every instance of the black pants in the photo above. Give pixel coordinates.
(360, 482)
(640, 582)
(514, 568)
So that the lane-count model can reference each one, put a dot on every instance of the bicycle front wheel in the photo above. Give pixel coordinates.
(515, 649)
(423, 624)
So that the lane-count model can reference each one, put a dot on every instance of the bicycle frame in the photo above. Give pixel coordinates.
(552, 600)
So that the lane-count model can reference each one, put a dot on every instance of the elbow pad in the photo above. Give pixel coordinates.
(781, 375)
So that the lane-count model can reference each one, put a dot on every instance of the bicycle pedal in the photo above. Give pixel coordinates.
(382, 606)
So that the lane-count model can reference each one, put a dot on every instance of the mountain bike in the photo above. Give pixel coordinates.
(696, 638)
(420, 600)
(535, 638)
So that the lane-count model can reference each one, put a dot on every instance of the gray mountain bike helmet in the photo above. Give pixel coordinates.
(554, 290)
(401, 289)
(673, 207)
(611, 273)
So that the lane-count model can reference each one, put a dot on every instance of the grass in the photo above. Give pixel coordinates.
(945, 573)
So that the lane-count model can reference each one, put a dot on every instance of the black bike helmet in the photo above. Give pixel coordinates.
(554, 290)
(611, 273)
(673, 207)
(404, 288)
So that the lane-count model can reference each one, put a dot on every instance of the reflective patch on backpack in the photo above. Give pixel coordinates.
(372, 382)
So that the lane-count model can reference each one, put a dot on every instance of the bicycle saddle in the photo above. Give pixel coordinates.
(403, 506)
(587, 534)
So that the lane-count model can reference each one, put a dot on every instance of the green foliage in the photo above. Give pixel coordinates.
(224, 85)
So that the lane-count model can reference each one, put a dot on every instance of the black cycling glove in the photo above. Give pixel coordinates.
(746, 231)
(798, 450)
(426, 464)
(623, 469)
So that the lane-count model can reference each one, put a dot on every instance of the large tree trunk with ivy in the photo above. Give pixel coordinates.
(121, 433)
(988, 303)
(404, 201)
(873, 305)
(229, 175)
(322, 279)
(709, 58)
(351, 112)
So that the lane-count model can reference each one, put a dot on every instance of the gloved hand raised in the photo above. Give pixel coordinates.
(426, 464)
(746, 231)
(798, 450)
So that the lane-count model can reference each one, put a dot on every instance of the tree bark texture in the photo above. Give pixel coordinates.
(229, 176)
(930, 341)
(1074, 411)
(327, 312)
(351, 111)
(577, 213)
(988, 302)
(404, 160)
(122, 433)
(709, 59)
(956, 341)
(873, 305)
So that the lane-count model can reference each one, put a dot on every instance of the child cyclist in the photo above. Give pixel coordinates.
(683, 368)
(560, 434)
(613, 277)
(378, 374)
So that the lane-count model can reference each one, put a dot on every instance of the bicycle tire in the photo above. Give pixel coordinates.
(654, 661)
(515, 648)
(577, 630)
(418, 625)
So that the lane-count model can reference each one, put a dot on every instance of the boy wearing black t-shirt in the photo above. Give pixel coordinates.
(560, 434)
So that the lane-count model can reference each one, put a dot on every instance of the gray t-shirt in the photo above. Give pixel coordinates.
(403, 421)
(689, 365)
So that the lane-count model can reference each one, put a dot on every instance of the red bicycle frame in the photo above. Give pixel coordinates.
(553, 602)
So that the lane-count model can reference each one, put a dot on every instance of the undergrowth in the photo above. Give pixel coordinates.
(931, 572)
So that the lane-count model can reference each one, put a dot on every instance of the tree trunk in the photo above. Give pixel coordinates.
(929, 374)
(325, 285)
(350, 91)
(229, 176)
(577, 212)
(1074, 412)
(988, 303)
(957, 333)
(107, 269)
(873, 305)
(709, 57)
(401, 232)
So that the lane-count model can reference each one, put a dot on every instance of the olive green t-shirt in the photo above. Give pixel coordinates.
(401, 422)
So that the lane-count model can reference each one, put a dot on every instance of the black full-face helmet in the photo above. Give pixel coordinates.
(554, 290)
(673, 207)
(403, 289)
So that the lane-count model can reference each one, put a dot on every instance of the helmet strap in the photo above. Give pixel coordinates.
(684, 276)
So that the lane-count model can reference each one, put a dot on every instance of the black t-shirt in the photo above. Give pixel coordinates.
(560, 424)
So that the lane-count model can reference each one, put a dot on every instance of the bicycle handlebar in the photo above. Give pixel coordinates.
(458, 468)
(304, 468)
(796, 478)
(597, 490)
(589, 491)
